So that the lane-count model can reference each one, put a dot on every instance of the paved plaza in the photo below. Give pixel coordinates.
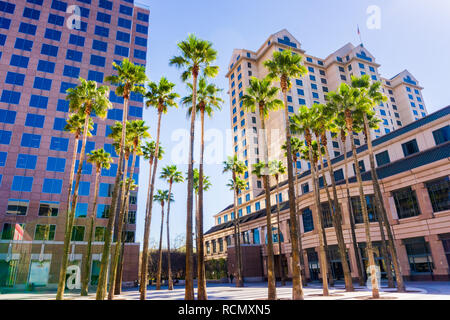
(258, 291)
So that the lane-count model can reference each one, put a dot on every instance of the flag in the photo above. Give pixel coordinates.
(359, 33)
(18, 232)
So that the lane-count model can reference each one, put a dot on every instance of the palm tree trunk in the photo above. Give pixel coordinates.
(158, 274)
(280, 266)
(358, 257)
(201, 279)
(87, 263)
(374, 280)
(271, 281)
(381, 209)
(71, 211)
(189, 280)
(297, 290)
(169, 267)
(237, 239)
(115, 260)
(322, 253)
(102, 279)
(337, 221)
(145, 255)
(125, 207)
(144, 258)
(300, 246)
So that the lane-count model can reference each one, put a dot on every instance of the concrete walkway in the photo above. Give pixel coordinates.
(258, 291)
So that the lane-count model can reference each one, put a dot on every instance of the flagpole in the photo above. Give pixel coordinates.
(360, 38)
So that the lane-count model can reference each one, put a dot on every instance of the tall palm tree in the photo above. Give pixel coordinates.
(237, 185)
(162, 197)
(136, 131)
(345, 98)
(340, 123)
(284, 66)
(130, 79)
(172, 175)
(207, 102)
(262, 97)
(84, 99)
(303, 123)
(149, 153)
(371, 96)
(162, 97)
(101, 160)
(324, 116)
(196, 57)
(276, 169)
(296, 147)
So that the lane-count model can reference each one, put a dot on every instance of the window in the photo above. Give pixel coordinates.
(126, 10)
(78, 233)
(97, 60)
(132, 217)
(103, 17)
(52, 186)
(42, 83)
(72, 72)
(59, 5)
(101, 31)
(46, 66)
(326, 215)
(76, 40)
(362, 167)
(357, 209)
(59, 144)
(17, 207)
(105, 4)
(141, 28)
(31, 13)
(19, 61)
(34, 120)
(442, 135)
(81, 210)
(103, 211)
(121, 51)
(52, 34)
(439, 192)
(406, 203)
(382, 158)
(139, 54)
(55, 19)
(65, 86)
(95, 76)
(49, 50)
(99, 234)
(339, 175)
(62, 106)
(7, 116)
(56, 164)
(305, 188)
(90, 145)
(143, 17)
(26, 161)
(21, 183)
(30, 140)
(45, 232)
(48, 209)
(99, 45)
(410, 147)
(22, 44)
(105, 190)
(308, 223)
(12, 231)
(74, 55)
(27, 28)
(124, 23)
(419, 255)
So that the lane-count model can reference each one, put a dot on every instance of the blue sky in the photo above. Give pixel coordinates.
(413, 35)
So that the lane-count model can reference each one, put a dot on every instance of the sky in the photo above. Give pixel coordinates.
(411, 34)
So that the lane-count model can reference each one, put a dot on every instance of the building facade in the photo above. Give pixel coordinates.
(405, 102)
(412, 152)
(46, 45)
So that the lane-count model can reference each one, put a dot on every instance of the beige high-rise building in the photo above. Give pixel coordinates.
(405, 102)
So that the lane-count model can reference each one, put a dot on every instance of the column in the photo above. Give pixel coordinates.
(403, 259)
(441, 267)
(391, 209)
(423, 200)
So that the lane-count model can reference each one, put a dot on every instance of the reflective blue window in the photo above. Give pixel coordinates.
(27, 28)
(97, 60)
(121, 51)
(59, 144)
(111, 150)
(105, 4)
(101, 31)
(142, 17)
(49, 50)
(5, 137)
(139, 54)
(123, 36)
(46, 66)
(26, 161)
(86, 169)
(11, 97)
(56, 164)
(124, 23)
(74, 55)
(34, 120)
(59, 5)
(42, 83)
(19, 61)
(111, 172)
(141, 29)
(103, 17)
(95, 76)
(65, 86)
(135, 112)
(141, 42)
(52, 34)
(105, 190)
(83, 188)
(99, 45)
(7, 116)
(7, 7)
(308, 223)
(76, 40)
(53, 186)
(63, 105)
(59, 124)
(21, 183)
(55, 19)
(72, 72)
(31, 13)
(90, 145)
(126, 10)
(81, 210)
(3, 156)
(5, 23)
(30, 140)
(115, 114)
(23, 44)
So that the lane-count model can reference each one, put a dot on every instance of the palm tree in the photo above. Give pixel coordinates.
(296, 147)
(160, 96)
(101, 160)
(196, 57)
(284, 66)
(303, 123)
(171, 175)
(237, 185)
(149, 153)
(262, 96)
(84, 99)
(276, 168)
(345, 98)
(136, 132)
(207, 102)
(372, 96)
(324, 116)
(129, 79)
(162, 197)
